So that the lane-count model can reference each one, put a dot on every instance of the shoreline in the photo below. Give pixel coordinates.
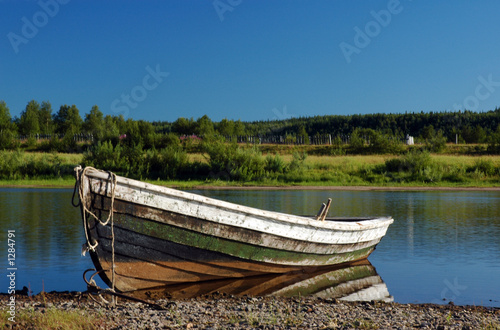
(347, 188)
(247, 312)
(277, 187)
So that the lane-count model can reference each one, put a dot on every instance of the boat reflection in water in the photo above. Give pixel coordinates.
(356, 281)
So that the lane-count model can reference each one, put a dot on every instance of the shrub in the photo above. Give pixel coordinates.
(11, 164)
(412, 162)
(297, 163)
(436, 142)
(484, 166)
(6, 138)
(104, 156)
(415, 166)
(384, 144)
(168, 140)
(274, 164)
(19, 165)
(230, 162)
(167, 163)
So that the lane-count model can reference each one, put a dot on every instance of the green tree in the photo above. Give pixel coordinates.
(94, 123)
(239, 128)
(5, 118)
(132, 132)
(29, 121)
(226, 127)
(45, 118)
(435, 141)
(7, 128)
(68, 120)
(357, 142)
(494, 141)
(112, 132)
(303, 134)
(479, 134)
(184, 126)
(383, 143)
(146, 133)
(205, 127)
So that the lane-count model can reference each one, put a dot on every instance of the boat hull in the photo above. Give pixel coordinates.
(159, 236)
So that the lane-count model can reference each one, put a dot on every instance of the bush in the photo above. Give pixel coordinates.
(379, 143)
(18, 165)
(6, 139)
(484, 166)
(384, 144)
(436, 142)
(297, 163)
(274, 164)
(412, 162)
(415, 166)
(168, 140)
(104, 156)
(230, 162)
(167, 163)
(11, 164)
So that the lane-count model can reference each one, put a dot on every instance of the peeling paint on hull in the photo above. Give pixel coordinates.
(164, 236)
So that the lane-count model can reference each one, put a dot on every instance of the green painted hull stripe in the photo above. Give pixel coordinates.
(230, 247)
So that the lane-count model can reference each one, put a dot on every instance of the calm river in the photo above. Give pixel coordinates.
(443, 246)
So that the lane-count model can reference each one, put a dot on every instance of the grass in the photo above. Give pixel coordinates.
(65, 158)
(349, 170)
(39, 183)
(53, 318)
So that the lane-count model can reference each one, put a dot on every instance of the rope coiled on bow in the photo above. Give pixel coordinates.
(83, 200)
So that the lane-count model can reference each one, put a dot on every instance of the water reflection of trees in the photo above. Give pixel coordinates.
(46, 224)
(446, 224)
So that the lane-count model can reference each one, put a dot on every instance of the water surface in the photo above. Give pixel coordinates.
(443, 246)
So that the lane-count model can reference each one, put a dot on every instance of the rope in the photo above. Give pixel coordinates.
(93, 288)
(83, 202)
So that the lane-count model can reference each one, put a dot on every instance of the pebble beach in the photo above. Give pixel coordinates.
(221, 311)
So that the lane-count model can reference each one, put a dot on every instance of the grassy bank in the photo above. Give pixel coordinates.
(250, 167)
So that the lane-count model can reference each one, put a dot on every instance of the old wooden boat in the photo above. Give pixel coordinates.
(142, 236)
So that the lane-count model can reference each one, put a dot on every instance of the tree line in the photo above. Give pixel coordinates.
(41, 119)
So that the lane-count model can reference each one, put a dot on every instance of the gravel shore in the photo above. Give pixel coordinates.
(226, 311)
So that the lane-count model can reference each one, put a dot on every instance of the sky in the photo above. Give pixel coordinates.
(250, 60)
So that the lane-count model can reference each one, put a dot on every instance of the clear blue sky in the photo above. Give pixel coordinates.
(250, 59)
